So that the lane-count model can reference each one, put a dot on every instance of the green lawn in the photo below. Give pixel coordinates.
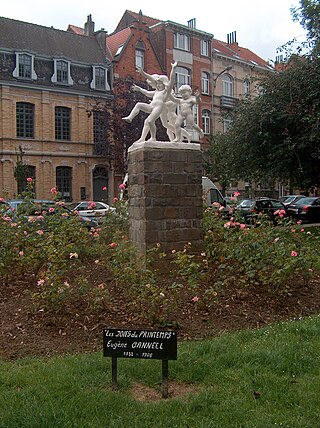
(261, 378)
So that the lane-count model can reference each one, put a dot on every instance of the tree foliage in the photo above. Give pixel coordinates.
(308, 15)
(276, 135)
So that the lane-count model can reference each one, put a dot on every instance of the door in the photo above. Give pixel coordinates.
(100, 182)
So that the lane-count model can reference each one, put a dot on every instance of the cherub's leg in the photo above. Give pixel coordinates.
(191, 124)
(135, 111)
(164, 117)
(151, 122)
(186, 134)
(178, 130)
(144, 133)
(196, 127)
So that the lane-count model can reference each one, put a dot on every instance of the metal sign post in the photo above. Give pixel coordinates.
(147, 344)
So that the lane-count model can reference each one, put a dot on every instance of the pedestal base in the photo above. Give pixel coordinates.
(165, 196)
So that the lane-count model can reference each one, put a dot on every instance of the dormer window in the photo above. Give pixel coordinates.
(119, 50)
(24, 66)
(99, 81)
(61, 72)
(182, 41)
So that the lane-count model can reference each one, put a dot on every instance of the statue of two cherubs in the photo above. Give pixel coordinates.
(163, 105)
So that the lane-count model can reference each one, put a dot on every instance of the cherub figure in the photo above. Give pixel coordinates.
(186, 103)
(168, 114)
(168, 119)
(160, 94)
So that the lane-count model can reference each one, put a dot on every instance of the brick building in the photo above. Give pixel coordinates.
(224, 72)
(45, 112)
(49, 81)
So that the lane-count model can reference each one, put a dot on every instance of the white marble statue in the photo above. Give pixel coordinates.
(185, 111)
(162, 87)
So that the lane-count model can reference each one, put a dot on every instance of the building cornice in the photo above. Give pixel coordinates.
(58, 90)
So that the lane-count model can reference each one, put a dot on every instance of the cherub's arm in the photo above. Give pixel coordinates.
(143, 91)
(197, 96)
(146, 75)
(173, 98)
(171, 78)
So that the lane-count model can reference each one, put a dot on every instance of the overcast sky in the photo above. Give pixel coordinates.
(261, 25)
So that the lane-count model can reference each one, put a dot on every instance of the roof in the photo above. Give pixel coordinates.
(129, 17)
(147, 19)
(36, 39)
(76, 30)
(122, 33)
(236, 52)
(115, 40)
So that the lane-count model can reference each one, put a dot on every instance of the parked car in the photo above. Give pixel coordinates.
(93, 209)
(249, 209)
(290, 199)
(21, 208)
(306, 209)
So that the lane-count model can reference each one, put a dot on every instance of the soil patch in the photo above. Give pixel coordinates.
(144, 393)
(25, 331)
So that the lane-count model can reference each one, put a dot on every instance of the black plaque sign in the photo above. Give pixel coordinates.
(152, 344)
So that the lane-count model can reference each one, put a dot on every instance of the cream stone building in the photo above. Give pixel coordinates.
(49, 81)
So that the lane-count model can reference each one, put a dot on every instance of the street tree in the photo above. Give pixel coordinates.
(277, 134)
(307, 14)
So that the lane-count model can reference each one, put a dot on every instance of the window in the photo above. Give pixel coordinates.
(227, 122)
(25, 120)
(61, 72)
(62, 123)
(205, 83)
(22, 174)
(182, 41)
(119, 50)
(227, 85)
(24, 66)
(182, 76)
(246, 87)
(204, 45)
(139, 58)
(100, 133)
(206, 121)
(64, 182)
(140, 48)
(99, 80)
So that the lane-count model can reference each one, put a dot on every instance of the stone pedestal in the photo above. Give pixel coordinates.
(165, 196)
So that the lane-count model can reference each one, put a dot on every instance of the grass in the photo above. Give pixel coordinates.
(254, 378)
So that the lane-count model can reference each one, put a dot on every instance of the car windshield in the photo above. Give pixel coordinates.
(305, 201)
(245, 203)
(289, 199)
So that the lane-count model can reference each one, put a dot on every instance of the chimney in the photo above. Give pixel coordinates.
(101, 38)
(192, 23)
(89, 26)
(232, 38)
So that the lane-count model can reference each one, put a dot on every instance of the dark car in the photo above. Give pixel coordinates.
(306, 209)
(250, 209)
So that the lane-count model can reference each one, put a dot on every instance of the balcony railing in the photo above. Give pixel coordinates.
(228, 102)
